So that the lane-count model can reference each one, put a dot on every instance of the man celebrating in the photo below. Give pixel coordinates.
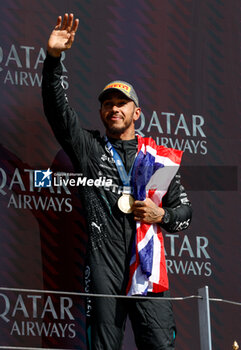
(124, 220)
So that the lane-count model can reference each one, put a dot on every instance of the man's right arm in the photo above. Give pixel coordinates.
(63, 119)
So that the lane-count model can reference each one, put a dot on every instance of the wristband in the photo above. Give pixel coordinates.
(166, 217)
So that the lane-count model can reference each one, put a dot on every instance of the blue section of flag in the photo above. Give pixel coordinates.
(146, 258)
(143, 169)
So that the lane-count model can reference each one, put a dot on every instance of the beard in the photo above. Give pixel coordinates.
(117, 129)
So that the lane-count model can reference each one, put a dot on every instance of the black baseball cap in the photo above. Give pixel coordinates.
(126, 88)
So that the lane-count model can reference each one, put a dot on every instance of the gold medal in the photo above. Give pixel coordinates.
(125, 203)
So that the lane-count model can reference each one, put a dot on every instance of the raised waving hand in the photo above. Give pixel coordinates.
(62, 37)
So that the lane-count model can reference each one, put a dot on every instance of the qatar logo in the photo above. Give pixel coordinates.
(21, 65)
(43, 178)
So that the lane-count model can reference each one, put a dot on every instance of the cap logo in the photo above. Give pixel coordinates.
(126, 88)
(120, 86)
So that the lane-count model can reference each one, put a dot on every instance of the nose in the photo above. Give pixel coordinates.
(115, 108)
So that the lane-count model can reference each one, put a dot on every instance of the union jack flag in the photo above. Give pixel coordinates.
(154, 168)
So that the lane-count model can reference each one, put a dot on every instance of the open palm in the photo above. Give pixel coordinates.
(62, 37)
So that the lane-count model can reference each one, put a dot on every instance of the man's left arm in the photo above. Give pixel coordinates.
(175, 214)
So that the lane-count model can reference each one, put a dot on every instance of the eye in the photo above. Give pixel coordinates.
(121, 103)
(107, 103)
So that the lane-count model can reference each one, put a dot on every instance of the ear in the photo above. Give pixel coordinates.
(137, 114)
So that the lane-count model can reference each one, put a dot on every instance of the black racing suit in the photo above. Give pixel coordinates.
(110, 231)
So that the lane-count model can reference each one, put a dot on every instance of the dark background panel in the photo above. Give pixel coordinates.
(183, 58)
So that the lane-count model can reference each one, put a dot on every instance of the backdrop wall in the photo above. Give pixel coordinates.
(183, 58)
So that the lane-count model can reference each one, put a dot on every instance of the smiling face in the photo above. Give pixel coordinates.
(118, 114)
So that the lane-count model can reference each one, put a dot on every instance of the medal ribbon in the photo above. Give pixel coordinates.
(125, 178)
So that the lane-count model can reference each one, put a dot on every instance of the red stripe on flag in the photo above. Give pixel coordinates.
(141, 231)
(174, 154)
